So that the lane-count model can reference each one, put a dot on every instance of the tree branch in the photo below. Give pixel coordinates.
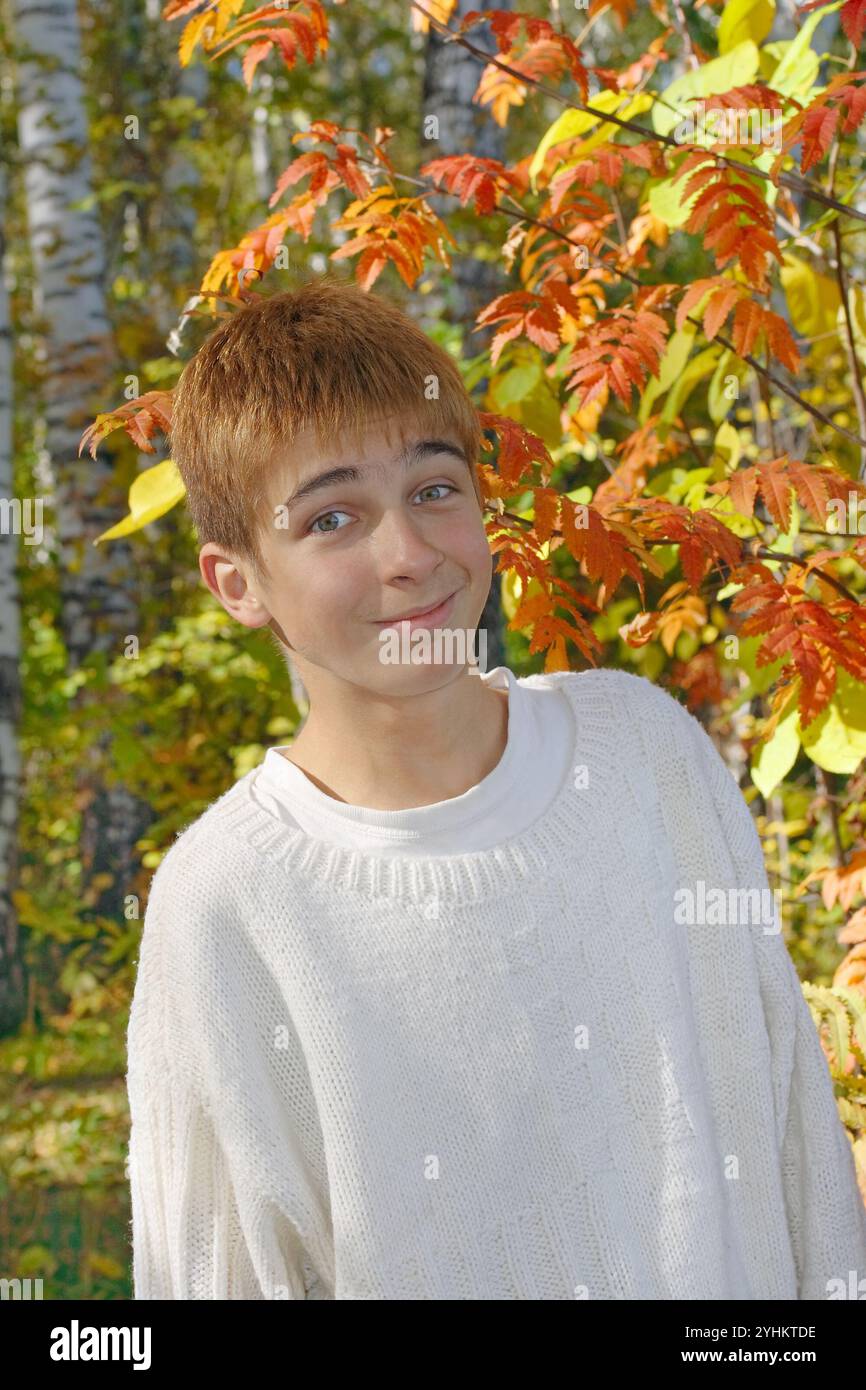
(799, 185)
(753, 362)
(749, 548)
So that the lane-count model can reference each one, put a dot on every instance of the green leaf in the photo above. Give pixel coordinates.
(761, 678)
(745, 19)
(153, 493)
(836, 740)
(666, 200)
(672, 364)
(718, 403)
(516, 383)
(798, 66)
(801, 78)
(700, 366)
(857, 1005)
(823, 1001)
(732, 69)
(775, 758)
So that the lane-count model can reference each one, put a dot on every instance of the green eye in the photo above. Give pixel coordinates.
(435, 485)
(324, 517)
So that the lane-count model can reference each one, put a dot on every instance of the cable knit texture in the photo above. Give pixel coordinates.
(508, 1074)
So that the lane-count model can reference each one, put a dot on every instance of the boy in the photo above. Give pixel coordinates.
(430, 1004)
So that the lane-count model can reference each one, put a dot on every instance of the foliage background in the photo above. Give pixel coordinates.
(207, 697)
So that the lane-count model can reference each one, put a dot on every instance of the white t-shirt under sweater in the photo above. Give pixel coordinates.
(516, 792)
(522, 1072)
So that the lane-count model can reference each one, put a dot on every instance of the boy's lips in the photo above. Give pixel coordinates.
(428, 618)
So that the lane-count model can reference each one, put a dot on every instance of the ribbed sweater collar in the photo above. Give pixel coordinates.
(448, 879)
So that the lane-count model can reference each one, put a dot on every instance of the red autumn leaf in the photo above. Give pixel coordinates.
(469, 177)
(814, 484)
(619, 352)
(140, 418)
(506, 27)
(853, 17)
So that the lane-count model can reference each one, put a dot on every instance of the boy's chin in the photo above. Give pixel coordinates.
(403, 676)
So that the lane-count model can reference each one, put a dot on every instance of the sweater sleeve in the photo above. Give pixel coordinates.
(200, 1230)
(825, 1211)
(195, 1235)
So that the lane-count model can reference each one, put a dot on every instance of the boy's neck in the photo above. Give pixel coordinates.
(392, 755)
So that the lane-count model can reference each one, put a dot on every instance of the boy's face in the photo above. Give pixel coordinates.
(347, 555)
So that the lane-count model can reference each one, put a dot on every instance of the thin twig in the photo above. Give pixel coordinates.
(685, 37)
(792, 394)
(824, 782)
(620, 224)
(850, 345)
(578, 43)
(696, 448)
(765, 393)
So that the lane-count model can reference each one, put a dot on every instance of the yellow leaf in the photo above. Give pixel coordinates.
(585, 419)
(435, 9)
(745, 19)
(153, 493)
(728, 444)
(857, 310)
(813, 300)
(500, 91)
(104, 1264)
(775, 758)
(836, 740)
(191, 35)
(513, 594)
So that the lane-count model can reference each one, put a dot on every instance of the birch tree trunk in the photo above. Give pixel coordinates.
(11, 969)
(98, 609)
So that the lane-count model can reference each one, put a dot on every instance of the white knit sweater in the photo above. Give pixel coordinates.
(516, 1073)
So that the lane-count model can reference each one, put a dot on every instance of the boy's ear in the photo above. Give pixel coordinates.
(224, 576)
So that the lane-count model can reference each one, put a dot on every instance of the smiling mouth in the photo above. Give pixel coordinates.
(434, 614)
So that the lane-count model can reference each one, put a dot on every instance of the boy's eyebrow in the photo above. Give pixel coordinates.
(412, 454)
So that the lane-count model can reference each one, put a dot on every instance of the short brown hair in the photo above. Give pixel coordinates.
(326, 356)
